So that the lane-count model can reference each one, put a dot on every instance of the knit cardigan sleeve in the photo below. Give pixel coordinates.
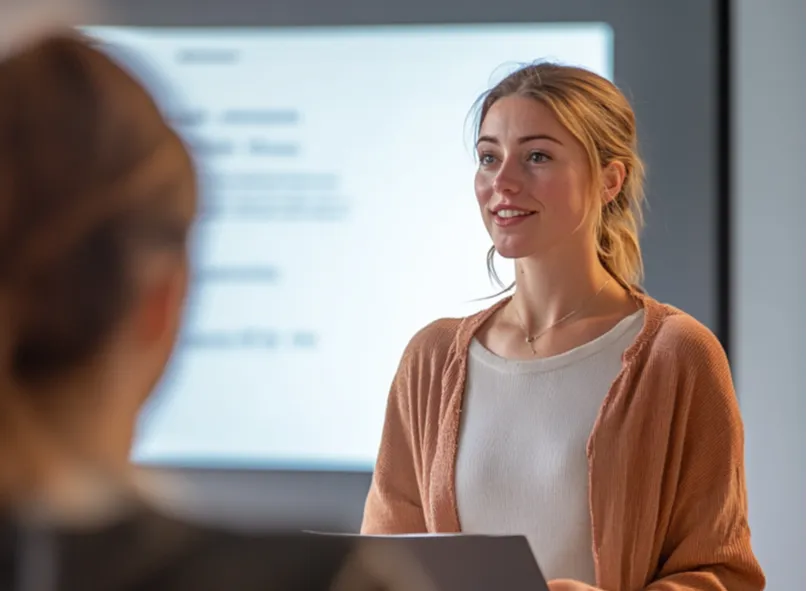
(708, 543)
(393, 504)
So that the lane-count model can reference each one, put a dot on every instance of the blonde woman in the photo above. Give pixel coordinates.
(579, 412)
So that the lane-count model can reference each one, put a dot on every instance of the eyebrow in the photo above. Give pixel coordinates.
(521, 140)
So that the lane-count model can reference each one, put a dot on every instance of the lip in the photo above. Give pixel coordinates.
(509, 222)
(501, 206)
(514, 221)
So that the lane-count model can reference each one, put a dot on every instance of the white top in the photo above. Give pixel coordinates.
(521, 465)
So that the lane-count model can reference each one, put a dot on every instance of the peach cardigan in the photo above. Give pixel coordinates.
(667, 484)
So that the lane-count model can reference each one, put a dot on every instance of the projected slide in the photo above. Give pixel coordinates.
(338, 218)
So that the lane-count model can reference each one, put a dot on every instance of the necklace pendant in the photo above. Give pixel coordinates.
(530, 340)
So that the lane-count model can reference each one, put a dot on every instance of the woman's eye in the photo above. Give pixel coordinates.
(486, 159)
(538, 157)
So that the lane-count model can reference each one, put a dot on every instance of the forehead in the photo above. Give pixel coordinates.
(520, 115)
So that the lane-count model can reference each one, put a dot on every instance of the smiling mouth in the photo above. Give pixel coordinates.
(507, 214)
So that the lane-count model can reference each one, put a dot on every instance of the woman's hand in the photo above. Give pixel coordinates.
(568, 585)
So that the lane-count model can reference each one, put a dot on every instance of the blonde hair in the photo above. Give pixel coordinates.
(599, 116)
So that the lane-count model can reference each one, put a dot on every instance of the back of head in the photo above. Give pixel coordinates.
(93, 181)
(599, 116)
(91, 175)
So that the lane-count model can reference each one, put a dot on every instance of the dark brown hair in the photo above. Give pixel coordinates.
(91, 178)
(599, 116)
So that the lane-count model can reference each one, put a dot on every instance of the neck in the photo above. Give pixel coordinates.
(549, 288)
(78, 428)
(95, 421)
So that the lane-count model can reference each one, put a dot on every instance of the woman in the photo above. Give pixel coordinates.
(97, 197)
(579, 412)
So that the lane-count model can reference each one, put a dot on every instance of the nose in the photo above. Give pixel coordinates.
(507, 179)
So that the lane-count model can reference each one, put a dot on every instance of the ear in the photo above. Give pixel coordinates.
(160, 308)
(613, 177)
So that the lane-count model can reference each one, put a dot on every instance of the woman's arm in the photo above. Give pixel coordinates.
(393, 504)
(708, 543)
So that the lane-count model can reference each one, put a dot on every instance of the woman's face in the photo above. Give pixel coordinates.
(533, 183)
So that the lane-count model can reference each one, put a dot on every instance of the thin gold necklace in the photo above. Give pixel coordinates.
(530, 339)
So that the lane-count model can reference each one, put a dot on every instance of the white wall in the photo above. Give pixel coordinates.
(769, 273)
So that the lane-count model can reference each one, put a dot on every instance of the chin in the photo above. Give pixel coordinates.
(514, 251)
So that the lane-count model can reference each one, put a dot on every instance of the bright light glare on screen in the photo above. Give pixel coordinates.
(339, 218)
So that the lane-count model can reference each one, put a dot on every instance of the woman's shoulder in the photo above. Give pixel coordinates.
(438, 335)
(674, 343)
(685, 361)
(673, 331)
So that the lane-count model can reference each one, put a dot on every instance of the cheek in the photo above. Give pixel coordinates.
(483, 187)
(561, 192)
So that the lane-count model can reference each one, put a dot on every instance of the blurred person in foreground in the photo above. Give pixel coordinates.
(97, 198)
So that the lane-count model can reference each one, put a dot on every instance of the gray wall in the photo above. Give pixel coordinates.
(768, 268)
